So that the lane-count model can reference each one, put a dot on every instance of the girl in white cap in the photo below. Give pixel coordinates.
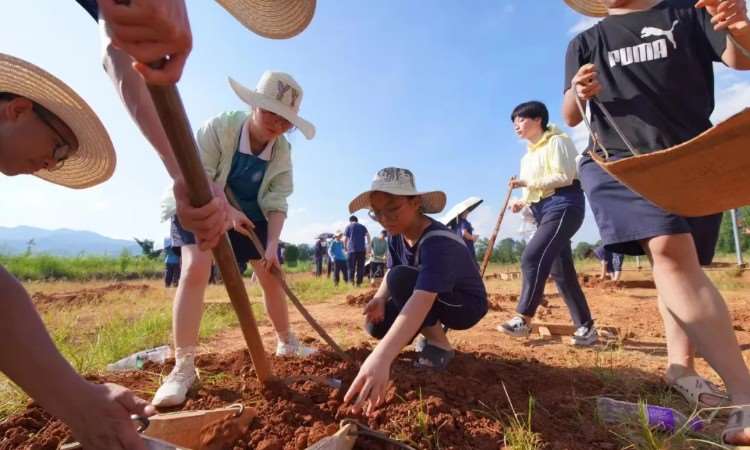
(247, 155)
(432, 283)
(47, 130)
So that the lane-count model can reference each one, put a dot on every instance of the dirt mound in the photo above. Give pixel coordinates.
(590, 281)
(85, 296)
(505, 276)
(464, 407)
(361, 299)
(501, 302)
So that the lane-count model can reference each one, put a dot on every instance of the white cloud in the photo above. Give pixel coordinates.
(583, 24)
(730, 100)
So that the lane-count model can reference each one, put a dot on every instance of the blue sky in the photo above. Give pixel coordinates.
(424, 85)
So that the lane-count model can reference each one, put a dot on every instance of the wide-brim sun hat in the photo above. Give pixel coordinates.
(94, 161)
(397, 181)
(591, 8)
(279, 93)
(468, 205)
(274, 19)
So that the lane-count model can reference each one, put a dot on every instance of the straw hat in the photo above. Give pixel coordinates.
(468, 205)
(94, 161)
(591, 8)
(396, 181)
(279, 93)
(338, 233)
(275, 19)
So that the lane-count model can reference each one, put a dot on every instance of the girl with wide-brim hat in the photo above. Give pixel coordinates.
(246, 155)
(432, 283)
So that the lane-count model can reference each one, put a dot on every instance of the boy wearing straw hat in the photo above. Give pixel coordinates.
(431, 284)
(650, 63)
(47, 130)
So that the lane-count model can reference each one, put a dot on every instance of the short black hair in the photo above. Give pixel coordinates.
(353, 219)
(532, 110)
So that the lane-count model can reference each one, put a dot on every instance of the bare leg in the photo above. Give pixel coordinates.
(188, 301)
(699, 311)
(275, 300)
(436, 336)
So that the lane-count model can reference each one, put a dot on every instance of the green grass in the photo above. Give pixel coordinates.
(113, 338)
(81, 268)
(517, 431)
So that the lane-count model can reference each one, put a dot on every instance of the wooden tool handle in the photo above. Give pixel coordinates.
(177, 127)
(491, 242)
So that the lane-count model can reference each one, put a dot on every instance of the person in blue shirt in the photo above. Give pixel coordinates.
(431, 284)
(320, 250)
(357, 242)
(611, 262)
(337, 254)
(464, 229)
(171, 263)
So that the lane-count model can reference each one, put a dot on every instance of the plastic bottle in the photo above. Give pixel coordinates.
(136, 360)
(666, 419)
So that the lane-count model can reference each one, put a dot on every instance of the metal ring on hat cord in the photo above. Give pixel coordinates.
(365, 431)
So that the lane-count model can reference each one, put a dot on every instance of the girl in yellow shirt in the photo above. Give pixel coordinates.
(550, 188)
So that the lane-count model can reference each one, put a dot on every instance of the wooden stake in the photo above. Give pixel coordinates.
(491, 242)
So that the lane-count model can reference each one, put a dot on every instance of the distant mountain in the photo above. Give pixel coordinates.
(62, 242)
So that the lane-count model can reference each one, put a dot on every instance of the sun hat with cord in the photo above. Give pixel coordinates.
(397, 181)
(591, 8)
(94, 160)
(279, 93)
(274, 19)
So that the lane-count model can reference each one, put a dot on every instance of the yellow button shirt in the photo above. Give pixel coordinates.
(547, 165)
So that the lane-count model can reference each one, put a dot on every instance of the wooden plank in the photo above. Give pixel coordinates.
(544, 332)
(560, 329)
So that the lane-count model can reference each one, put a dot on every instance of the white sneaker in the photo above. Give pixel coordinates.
(516, 327)
(175, 388)
(584, 336)
(293, 348)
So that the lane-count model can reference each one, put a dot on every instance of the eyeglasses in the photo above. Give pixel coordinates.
(388, 214)
(60, 152)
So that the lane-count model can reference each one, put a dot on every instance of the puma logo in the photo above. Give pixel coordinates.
(658, 32)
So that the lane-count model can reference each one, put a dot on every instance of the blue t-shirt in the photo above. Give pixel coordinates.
(355, 233)
(244, 180)
(465, 226)
(445, 264)
(170, 257)
(336, 250)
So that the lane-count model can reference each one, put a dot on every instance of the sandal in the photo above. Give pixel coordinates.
(738, 420)
(434, 357)
(695, 389)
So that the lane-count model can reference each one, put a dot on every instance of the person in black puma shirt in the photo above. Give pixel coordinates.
(650, 63)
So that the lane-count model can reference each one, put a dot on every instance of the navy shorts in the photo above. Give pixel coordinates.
(449, 309)
(625, 218)
(243, 247)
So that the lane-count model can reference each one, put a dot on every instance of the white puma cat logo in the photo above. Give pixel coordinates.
(657, 32)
